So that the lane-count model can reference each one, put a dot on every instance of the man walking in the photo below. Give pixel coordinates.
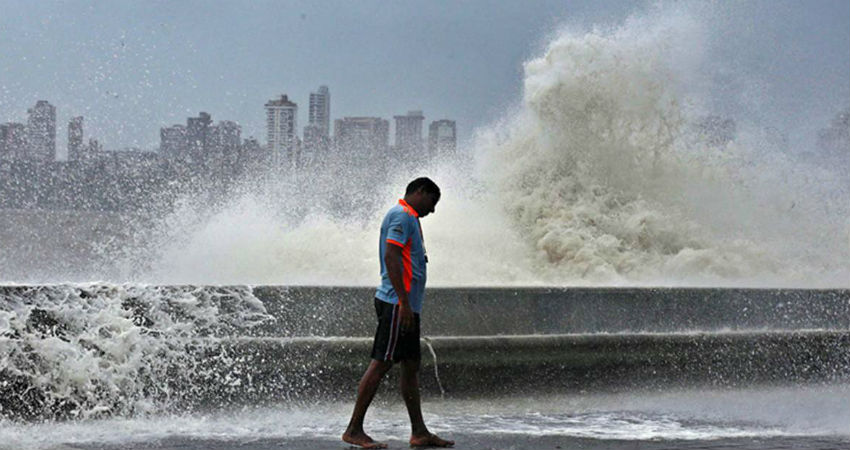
(398, 303)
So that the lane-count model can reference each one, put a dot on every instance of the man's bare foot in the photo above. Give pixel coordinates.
(362, 439)
(430, 440)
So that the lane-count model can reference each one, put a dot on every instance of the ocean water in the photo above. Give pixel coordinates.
(746, 418)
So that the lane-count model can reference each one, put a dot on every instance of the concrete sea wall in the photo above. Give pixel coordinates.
(335, 311)
(201, 347)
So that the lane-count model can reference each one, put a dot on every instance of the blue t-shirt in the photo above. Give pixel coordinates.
(401, 228)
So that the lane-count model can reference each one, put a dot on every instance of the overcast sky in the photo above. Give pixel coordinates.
(130, 67)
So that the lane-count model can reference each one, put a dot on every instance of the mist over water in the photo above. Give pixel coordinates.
(597, 177)
(603, 174)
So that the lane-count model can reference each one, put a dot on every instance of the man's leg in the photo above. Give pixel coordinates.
(354, 434)
(419, 436)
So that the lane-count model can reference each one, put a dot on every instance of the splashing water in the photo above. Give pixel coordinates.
(703, 417)
(597, 178)
(99, 350)
(594, 174)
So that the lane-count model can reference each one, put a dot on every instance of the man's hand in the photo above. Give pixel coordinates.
(406, 315)
(392, 259)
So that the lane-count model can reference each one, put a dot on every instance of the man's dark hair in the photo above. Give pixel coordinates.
(425, 184)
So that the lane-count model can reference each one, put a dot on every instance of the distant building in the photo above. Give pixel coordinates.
(128, 162)
(224, 144)
(94, 148)
(75, 139)
(128, 157)
(197, 135)
(41, 132)
(442, 138)
(317, 132)
(253, 155)
(320, 110)
(362, 136)
(202, 145)
(315, 143)
(408, 134)
(13, 140)
(229, 135)
(252, 146)
(281, 123)
(172, 141)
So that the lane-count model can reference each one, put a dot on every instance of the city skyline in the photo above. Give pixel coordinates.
(191, 143)
(61, 126)
(201, 154)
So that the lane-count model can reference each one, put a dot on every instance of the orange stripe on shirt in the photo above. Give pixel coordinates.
(408, 265)
(390, 241)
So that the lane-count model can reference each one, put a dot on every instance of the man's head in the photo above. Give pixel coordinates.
(422, 194)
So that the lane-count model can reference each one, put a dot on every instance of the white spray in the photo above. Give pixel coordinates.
(595, 179)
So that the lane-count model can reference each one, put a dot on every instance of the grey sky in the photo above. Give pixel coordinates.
(131, 67)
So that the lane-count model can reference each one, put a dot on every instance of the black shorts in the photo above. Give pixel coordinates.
(392, 343)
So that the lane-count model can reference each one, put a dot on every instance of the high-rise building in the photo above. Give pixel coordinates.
(201, 144)
(75, 139)
(315, 143)
(442, 138)
(224, 144)
(197, 134)
(41, 132)
(317, 131)
(172, 142)
(13, 140)
(281, 123)
(362, 136)
(320, 110)
(230, 135)
(408, 134)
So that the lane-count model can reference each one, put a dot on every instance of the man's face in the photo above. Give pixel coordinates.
(428, 203)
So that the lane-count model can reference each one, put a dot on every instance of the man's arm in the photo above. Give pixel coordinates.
(392, 259)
